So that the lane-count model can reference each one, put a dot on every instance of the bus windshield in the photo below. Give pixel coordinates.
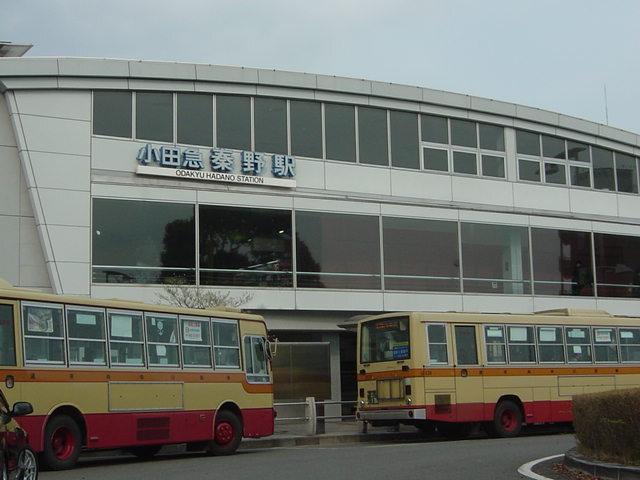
(385, 339)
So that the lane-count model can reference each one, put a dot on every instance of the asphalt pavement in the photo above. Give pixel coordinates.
(432, 459)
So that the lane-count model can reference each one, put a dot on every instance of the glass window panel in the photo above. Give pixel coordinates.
(465, 162)
(626, 173)
(555, 173)
(233, 122)
(463, 133)
(154, 116)
(255, 360)
(44, 350)
(550, 345)
(577, 335)
(434, 129)
(436, 159)
(162, 329)
(112, 114)
(127, 354)
(340, 132)
(372, 136)
(195, 119)
(306, 128)
(42, 321)
(337, 251)
(617, 265)
(528, 143)
(579, 353)
(553, 147)
(605, 348)
(404, 140)
(529, 170)
(270, 123)
(196, 356)
(83, 351)
(227, 357)
(495, 258)
(437, 338)
(493, 166)
(195, 332)
(156, 235)
(580, 176)
(7, 336)
(603, 175)
(225, 334)
(630, 344)
(578, 152)
(244, 246)
(491, 137)
(385, 340)
(562, 262)
(522, 347)
(409, 265)
(495, 344)
(126, 327)
(466, 348)
(85, 324)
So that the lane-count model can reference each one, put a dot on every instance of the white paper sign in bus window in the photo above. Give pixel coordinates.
(40, 320)
(603, 335)
(576, 333)
(192, 331)
(626, 334)
(494, 332)
(518, 334)
(121, 326)
(547, 334)
(85, 319)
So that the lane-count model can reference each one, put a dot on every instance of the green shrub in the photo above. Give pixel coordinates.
(607, 425)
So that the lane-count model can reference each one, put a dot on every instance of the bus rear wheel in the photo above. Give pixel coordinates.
(227, 434)
(62, 442)
(507, 420)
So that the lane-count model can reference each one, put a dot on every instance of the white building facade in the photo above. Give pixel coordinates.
(321, 197)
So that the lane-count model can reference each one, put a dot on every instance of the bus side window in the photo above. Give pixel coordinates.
(43, 329)
(466, 347)
(7, 336)
(226, 343)
(630, 344)
(437, 340)
(495, 343)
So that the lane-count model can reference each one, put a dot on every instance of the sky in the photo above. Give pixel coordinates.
(552, 54)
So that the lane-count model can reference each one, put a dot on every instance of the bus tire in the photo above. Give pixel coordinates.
(62, 443)
(227, 434)
(507, 420)
(144, 451)
(455, 430)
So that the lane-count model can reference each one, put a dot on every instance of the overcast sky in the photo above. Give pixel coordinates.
(553, 54)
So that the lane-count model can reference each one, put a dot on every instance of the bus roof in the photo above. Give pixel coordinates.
(9, 292)
(565, 316)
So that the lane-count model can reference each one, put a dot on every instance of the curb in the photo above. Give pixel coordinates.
(527, 471)
(328, 440)
(573, 459)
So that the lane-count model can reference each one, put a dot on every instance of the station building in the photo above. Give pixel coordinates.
(321, 197)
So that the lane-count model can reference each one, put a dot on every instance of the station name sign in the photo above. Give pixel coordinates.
(222, 165)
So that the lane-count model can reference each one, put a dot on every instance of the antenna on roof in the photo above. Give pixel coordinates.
(606, 105)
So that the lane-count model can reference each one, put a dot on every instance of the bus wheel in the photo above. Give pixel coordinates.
(227, 434)
(507, 419)
(145, 451)
(62, 440)
(454, 430)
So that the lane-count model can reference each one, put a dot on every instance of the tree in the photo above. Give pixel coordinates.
(178, 294)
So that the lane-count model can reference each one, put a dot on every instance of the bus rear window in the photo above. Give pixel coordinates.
(385, 340)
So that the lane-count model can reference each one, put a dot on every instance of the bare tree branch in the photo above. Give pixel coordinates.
(178, 294)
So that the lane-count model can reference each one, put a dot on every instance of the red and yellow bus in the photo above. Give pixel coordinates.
(104, 374)
(454, 371)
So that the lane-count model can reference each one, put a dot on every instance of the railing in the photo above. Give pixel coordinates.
(314, 416)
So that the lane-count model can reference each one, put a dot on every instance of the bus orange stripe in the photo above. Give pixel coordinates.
(100, 376)
(498, 371)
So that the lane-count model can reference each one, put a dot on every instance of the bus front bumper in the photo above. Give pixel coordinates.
(397, 414)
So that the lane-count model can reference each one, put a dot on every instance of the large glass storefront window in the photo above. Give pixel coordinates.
(561, 262)
(617, 265)
(420, 255)
(270, 123)
(233, 122)
(243, 246)
(495, 259)
(143, 242)
(337, 251)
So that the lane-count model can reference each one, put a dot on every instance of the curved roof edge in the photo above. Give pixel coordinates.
(177, 71)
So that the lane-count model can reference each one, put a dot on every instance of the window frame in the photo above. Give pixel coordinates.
(446, 344)
(616, 344)
(240, 367)
(455, 339)
(562, 343)
(143, 342)
(251, 376)
(201, 320)
(535, 344)
(486, 344)
(166, 344)
(14, 306)
(24, 336)
(567, 344)
(69, 339)
(627, 344)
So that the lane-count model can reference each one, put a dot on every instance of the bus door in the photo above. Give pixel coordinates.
(468, 382)
(8, 351)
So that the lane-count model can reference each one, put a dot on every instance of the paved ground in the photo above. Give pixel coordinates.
(433, 459)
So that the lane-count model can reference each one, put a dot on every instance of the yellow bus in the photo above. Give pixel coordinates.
(454, 371)
(104, 374)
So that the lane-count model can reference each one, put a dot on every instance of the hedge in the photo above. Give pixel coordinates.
(607, 425)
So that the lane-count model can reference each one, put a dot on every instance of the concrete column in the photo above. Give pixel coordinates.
(334, 359)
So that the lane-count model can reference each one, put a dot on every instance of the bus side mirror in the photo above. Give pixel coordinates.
(21, 408)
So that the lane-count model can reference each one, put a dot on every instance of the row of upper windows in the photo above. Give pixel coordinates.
(523, 344)
(73, 335)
